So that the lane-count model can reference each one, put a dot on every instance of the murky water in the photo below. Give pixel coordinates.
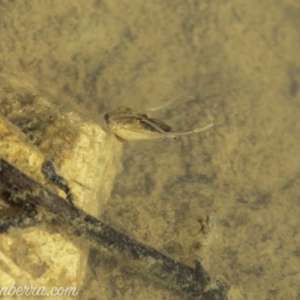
(242, 63)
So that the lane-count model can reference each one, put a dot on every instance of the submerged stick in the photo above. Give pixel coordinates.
(174, 274)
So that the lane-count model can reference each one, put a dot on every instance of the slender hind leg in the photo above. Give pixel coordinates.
(192, 131)
(165, 104)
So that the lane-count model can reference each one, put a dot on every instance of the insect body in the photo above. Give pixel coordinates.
(130, 125)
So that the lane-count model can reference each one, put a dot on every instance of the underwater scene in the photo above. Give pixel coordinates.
(170, 130)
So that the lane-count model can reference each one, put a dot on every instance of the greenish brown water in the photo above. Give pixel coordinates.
(241, 60)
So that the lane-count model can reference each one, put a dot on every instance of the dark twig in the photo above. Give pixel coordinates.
(25, 217)
(173, 273)
(50, 173)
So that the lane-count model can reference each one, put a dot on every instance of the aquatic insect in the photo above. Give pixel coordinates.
(131, 125)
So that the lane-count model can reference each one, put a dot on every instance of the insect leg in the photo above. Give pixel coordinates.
(170, 102)
(192, 131)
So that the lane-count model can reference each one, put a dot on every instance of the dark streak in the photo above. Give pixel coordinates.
(169, 272)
